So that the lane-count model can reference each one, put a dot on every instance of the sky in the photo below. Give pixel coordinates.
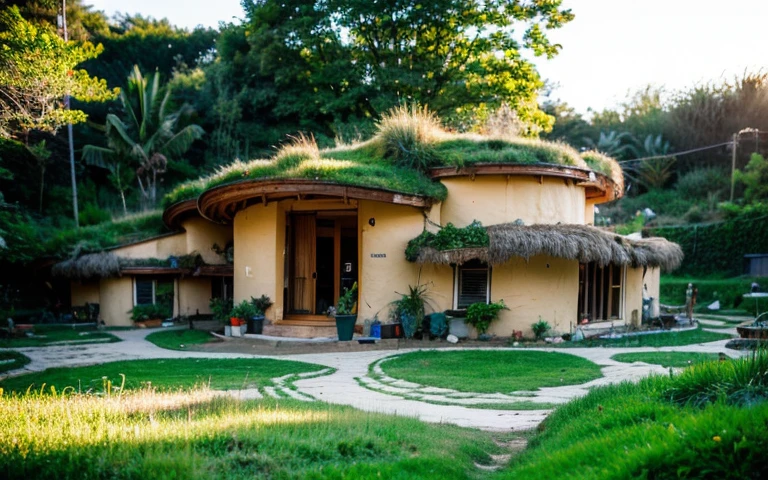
(612, 47)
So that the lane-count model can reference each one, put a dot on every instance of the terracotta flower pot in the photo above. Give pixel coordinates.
(234, 321)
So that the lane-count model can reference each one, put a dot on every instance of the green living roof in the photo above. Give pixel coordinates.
(397, 158)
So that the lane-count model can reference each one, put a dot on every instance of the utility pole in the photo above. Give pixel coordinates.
(733, 163)
(69, 127)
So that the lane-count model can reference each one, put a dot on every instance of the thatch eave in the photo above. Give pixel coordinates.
(583, 243)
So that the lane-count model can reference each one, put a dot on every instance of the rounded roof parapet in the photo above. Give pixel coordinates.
(599, 187)
(220, 204)
(175, 213)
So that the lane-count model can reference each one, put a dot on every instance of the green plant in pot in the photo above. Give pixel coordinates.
(242, 312)
(480, 315)
(221, 309)
(256, 325)
(409, 309)
(154, 313)
(343, 312)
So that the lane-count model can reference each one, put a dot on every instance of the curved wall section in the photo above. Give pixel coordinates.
(499, 199)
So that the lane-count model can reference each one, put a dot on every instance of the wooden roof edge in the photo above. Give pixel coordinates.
(176, 212)
(598, 185)
(220, 204)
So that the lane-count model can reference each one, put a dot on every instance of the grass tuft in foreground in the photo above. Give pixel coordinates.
(163, 374)
(148, 435)
(491, 371)
(655, 429)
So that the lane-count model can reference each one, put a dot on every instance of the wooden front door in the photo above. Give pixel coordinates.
(303, 278)
(321, 260)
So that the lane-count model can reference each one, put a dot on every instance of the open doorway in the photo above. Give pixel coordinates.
(321, 261)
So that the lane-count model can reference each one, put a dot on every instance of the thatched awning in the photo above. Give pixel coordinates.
(574, 242)
(92, 265)
(107, 264)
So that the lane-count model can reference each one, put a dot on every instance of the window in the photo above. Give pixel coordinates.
(600, 291)
(153, 291)
(472, 284)
(222, 288)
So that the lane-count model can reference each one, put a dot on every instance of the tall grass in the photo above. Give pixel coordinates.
(148, 435)
(408, 142)
(641, 431)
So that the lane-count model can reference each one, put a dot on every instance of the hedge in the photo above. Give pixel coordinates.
(718, 249)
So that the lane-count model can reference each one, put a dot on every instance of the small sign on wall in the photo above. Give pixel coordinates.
(378, 255)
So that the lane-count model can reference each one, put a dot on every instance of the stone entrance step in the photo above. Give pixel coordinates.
(298, 329)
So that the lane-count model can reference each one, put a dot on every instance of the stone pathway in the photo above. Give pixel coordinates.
(347, 384)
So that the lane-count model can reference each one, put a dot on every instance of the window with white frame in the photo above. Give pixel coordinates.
(472, 284)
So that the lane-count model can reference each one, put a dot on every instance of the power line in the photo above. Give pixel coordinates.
(677, 154)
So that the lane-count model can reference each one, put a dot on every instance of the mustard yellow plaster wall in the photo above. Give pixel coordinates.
(589, 212)
(202, 234)
(259, 238)
(194, 295)
(116, 295)
(381, 277)
(543, 286)
(85, 291)
(158, 248)
(501, 199)
(653, 281)
(633, 296)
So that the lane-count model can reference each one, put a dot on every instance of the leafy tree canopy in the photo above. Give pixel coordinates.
(37, 69)
(334, 65)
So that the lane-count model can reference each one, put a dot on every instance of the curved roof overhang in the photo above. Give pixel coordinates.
(178, 212)
(599, 188)
(220, 204)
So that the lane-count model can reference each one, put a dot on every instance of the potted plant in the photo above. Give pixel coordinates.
(480, 315)
(240, 315)
(343, 312)
(256, 323)
(149, 315)
(409, 309)
(221, 308)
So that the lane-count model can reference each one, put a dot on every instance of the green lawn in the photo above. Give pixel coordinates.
(179, 339)
(153, 436)
(666, 359)
(485, 371)
(12, 361)
(706, 422)
(46, 335)
(665, 339)
(167, 374)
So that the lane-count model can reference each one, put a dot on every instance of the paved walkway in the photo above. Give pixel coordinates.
(344, 386)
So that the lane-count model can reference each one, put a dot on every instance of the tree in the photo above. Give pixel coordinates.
(333, 67)
(149, 132)
(37, 70)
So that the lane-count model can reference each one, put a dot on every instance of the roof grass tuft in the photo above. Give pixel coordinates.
(408, 143)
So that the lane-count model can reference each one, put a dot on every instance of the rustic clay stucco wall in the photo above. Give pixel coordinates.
(202, 234)
(499, 199)
(157, 248)
(85, 291)
(633, 296)
(382, 278)
(259, 239)
(116, 296)
(543, 287)
(194, 295)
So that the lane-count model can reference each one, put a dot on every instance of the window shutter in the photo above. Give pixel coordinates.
(143, 292)
(473, 286)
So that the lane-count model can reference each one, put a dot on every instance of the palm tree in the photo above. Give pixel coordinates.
(146, 136)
